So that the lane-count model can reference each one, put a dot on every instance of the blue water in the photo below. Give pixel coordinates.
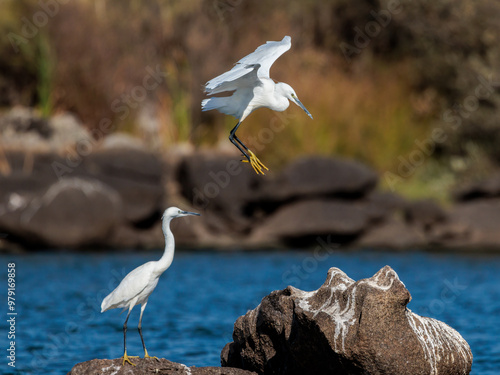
(191, 313)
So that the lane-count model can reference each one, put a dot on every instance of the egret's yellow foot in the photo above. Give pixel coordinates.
(126, 359)
(146, 355)
(257, 165)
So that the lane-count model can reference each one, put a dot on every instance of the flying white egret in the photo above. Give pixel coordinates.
(138, 285)
(249, 79)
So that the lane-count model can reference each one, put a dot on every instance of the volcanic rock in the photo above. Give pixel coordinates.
(307, 219)
(488, 188)
(480, 217)
(386, 202)
(345, 327)
(148, 366)
(72, 212)
(393, 233)
(320, 176)
(75, 200)
(424, 213)
(135, 175)
(221, 186)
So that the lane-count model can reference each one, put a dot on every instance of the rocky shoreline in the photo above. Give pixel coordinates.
(62, 192)
(149, 366)
(344, 327)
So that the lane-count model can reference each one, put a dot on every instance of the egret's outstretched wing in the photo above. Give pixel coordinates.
(236, 78)
(266, 55)
(260, 60)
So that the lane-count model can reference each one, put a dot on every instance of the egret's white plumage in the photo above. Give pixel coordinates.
(252, 89)
(138, 285)
(258, 62)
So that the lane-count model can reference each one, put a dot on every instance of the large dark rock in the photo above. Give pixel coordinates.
(136, 175)
(386, 202)
(407, 224)
(27, 172)
(479, 219)
(424, 213)
(148, 366)
(345, 327)
(320, 176)
(220, 186)
(488, 188)
(393, 233)
(73, 212)
(55, 200)
(305, 220)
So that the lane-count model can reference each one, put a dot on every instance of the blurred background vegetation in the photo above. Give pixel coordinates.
(378, 76)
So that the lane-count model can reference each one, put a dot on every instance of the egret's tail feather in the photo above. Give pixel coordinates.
(205, 105)
(212, 103)
(222, 104)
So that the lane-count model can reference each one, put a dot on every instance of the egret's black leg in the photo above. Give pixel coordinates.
(139, 327)
(256, 164)
(233, 137)
(125, 356)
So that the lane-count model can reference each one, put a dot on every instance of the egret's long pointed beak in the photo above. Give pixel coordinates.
(299, 103)
(190, 213)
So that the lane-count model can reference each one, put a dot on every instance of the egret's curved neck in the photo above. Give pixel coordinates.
(280, 97)
(168, 255)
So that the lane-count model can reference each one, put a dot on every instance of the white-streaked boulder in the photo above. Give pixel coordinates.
(345, 327)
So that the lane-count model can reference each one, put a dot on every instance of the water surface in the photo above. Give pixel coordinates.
(191, 313)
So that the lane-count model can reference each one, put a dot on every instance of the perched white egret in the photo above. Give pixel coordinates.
(249, 79)
(138, 285)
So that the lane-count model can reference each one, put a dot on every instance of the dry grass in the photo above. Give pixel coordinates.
(367, 116)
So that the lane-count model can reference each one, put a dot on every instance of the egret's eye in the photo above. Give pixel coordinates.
(180, 212)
